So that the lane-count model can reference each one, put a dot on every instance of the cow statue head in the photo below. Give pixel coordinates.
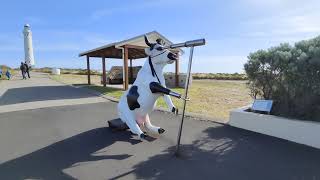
(159, 54)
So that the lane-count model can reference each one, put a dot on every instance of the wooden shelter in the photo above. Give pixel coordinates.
(126, 50)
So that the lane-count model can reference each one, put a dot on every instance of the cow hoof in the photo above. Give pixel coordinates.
(143, 136)
(160, 130)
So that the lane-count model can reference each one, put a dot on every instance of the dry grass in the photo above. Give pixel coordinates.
(214, 98)
(76, 79)
(113, 92)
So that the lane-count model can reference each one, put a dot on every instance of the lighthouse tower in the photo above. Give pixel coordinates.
(28, 49)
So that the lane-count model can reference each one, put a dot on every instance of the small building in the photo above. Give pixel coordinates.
(127, 50)
(115, 75)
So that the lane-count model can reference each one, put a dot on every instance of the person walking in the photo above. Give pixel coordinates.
(0, 72)
(27, 69)
(8, 74)
(23, 70)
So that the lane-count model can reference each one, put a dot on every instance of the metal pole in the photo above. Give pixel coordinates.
(185, 99)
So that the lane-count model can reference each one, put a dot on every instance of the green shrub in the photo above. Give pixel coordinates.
(43, 70)
(219, 76)
(289, 75)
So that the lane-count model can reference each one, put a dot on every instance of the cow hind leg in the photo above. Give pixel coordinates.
(129, 118)
(151, 127)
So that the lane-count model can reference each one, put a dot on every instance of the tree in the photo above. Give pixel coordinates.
(290, 76)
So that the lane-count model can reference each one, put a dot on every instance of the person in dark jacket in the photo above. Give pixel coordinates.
(8, 74)
(23, 70)
(27, 69)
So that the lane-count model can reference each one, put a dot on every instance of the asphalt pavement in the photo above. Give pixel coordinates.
(73, 142)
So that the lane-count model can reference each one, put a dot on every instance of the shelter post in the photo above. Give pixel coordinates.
(88, 69)
(131, 72)
(177, 72)
(125, 66)
(104, 72)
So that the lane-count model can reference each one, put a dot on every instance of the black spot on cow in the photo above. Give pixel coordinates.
(132, 98)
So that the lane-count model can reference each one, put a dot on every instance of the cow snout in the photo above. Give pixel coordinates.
(172, 56)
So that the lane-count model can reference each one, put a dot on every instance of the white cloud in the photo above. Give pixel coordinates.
(280, 4)
(283, 20)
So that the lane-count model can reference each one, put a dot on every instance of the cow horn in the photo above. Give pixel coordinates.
(147, 41)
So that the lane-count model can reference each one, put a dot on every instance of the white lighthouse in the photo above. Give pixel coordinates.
(28, 49)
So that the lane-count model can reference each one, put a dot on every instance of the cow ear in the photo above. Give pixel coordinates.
(147, 41)
(160, 41)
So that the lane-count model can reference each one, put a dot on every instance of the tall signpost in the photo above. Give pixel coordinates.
(191, 44)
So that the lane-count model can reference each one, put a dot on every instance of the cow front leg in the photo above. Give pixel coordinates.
(152, 128)
(170, 104)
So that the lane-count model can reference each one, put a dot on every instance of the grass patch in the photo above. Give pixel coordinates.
(66, 71)
(113, 92)
(214, 98)
(76, 79)
(208, 97)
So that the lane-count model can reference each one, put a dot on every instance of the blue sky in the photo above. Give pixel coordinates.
(233, 29)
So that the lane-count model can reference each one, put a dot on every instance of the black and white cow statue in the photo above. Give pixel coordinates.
(136, 103)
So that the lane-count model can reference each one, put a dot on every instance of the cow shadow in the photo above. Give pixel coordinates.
(49, 162)
(228, 153)
(42, 93)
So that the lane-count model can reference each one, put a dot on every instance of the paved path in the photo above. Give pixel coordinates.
(40, 92)
(73, 142)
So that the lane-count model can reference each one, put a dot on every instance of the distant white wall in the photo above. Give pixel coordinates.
(55, 71)
(303, 132)
(171, 80)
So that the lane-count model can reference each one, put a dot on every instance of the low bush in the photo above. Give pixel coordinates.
(219, 76)
(289, 75)
(43, 70)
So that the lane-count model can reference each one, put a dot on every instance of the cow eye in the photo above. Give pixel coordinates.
(159, 48)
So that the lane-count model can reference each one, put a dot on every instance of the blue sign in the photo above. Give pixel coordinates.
(262, 105)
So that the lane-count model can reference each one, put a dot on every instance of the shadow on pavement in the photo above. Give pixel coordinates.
(41, 93)
(49, 162)
(228, 153)
(81, 84)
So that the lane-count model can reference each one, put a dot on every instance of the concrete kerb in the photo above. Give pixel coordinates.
(195, 116)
